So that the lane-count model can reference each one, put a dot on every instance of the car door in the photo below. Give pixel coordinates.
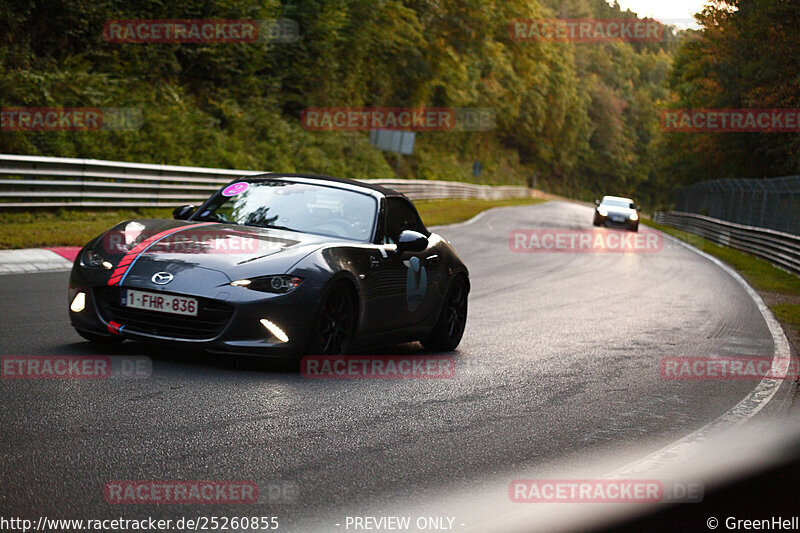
(408, 277)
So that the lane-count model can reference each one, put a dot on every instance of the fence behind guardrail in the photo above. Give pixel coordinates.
(765, 203)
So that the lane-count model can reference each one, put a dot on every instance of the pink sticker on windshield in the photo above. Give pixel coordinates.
(236, 188)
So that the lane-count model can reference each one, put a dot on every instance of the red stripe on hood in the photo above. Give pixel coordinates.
(126, 261)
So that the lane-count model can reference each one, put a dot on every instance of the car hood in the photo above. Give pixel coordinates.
(614, 210)
(236, 252)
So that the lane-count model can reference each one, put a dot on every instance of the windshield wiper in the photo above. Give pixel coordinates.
(271, 226)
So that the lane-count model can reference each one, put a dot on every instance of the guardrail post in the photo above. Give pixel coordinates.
(81, 194)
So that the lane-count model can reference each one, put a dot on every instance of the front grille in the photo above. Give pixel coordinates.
(621, 223)
(211, 319)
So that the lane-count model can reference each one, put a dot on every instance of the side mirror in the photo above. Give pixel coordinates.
(411, 241)
(597, 202)
(183, 212)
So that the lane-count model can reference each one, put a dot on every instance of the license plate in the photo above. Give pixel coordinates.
(618, 219)
(165, 303)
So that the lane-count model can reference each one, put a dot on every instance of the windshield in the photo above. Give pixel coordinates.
(294, 206)
(617, 203)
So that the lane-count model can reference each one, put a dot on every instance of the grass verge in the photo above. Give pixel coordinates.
(64, 228)
(76, 228)
(779, 289)
(439, 212)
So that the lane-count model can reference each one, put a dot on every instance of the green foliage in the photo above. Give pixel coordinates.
(581, 117)
(746, 56)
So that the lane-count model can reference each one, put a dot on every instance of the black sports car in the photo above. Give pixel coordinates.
(275, 264)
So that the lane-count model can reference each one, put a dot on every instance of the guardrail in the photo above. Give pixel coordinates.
(781, 249)
(34, 182)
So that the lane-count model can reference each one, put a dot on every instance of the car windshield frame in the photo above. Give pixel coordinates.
(614, 202)
(218, 199)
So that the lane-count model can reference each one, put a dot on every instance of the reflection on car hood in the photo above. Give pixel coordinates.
(238, 251)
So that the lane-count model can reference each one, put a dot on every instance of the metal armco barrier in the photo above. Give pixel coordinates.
(781, 249)
(33, 182)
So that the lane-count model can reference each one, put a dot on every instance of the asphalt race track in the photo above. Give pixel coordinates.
(559, 363)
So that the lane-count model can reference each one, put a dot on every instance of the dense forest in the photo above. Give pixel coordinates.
(746, 57)
(582, 118)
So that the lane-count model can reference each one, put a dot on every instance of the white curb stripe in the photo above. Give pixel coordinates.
(32, 260)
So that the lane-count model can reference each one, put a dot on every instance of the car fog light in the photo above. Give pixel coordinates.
(277, 332)
(78, 303)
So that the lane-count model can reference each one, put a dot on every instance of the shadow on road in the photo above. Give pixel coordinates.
(199, 359)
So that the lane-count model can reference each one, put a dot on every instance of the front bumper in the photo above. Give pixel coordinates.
(227, 323)
(612, 222)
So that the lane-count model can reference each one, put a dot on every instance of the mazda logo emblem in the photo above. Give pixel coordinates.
(162, 278)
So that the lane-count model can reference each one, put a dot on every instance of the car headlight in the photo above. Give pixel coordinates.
(634, 216)
(602, 212)
(92, 259)
(78, 303)
(275, 284)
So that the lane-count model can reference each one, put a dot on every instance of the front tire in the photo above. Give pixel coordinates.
(334, 325)
(449, 329)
